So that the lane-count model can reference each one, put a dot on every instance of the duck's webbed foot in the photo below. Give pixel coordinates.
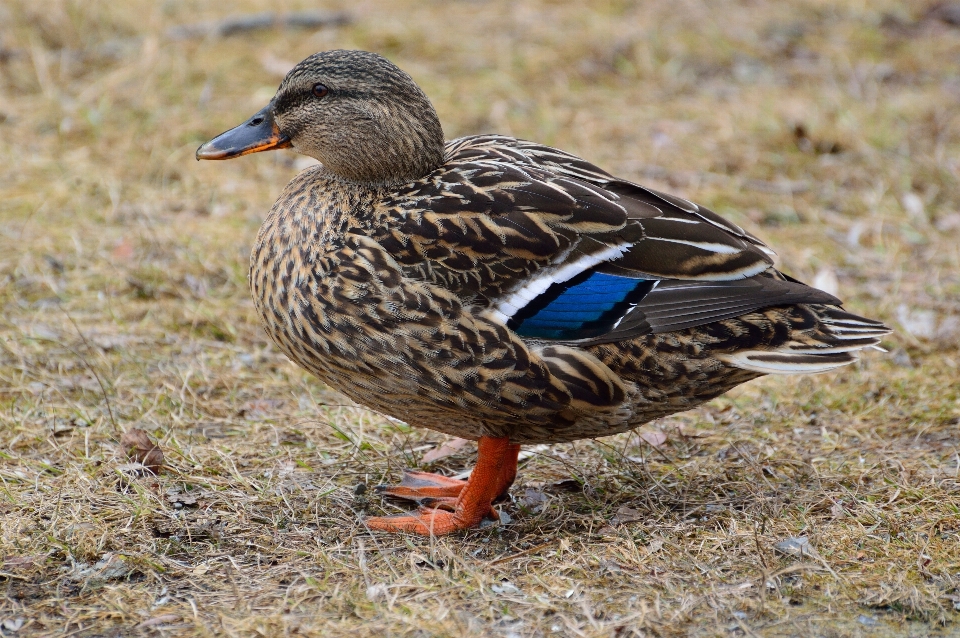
(449, 505)
(416, 486)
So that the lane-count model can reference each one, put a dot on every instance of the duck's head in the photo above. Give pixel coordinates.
(362, 117)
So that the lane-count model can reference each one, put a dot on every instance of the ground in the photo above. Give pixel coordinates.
(828, 128)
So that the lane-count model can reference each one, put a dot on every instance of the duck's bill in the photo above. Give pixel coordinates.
(259, 133)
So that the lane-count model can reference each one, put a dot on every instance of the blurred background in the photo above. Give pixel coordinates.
(829, 128)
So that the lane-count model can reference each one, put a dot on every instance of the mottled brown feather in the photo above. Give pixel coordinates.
(383, 279)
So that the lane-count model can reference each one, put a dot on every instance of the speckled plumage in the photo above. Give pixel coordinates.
(493, 287)
(385, 294)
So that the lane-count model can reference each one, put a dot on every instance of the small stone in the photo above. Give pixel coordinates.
(868, 621)
(796, 546)
(505, 587)
(377, 592)
(12, 625)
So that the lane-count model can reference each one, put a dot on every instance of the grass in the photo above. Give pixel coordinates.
(828, 128)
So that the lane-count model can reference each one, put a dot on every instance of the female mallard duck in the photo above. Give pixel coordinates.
(500, 290)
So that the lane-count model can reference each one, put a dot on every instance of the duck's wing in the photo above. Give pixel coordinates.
(559, 250)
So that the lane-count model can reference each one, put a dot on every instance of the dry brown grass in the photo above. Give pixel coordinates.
(123, 285)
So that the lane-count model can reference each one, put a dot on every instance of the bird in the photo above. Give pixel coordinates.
(500, 290)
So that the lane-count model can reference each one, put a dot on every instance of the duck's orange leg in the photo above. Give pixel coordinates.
(463, 503)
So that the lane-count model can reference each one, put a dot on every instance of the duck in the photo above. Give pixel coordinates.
(500, 290)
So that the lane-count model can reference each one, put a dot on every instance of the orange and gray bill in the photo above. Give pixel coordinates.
(259, 133)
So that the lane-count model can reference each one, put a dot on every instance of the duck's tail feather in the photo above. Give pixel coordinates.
(836, 341)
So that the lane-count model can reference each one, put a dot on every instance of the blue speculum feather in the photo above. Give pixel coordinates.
(586, 306)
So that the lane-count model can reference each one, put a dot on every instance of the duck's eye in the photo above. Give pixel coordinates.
(319, 90)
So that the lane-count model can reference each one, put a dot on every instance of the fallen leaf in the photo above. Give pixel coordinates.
(158, 620)
(689, 433)
(449, 448)
(110, 567)
(655, 438)
(179, 500)
(565, 485)
(138, 446)
(627, 515)
(837, 510)
(796, 546)
(533, 499)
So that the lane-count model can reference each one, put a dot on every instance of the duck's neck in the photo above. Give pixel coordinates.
(384, 150)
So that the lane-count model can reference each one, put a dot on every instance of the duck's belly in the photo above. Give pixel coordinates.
(414, 351)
